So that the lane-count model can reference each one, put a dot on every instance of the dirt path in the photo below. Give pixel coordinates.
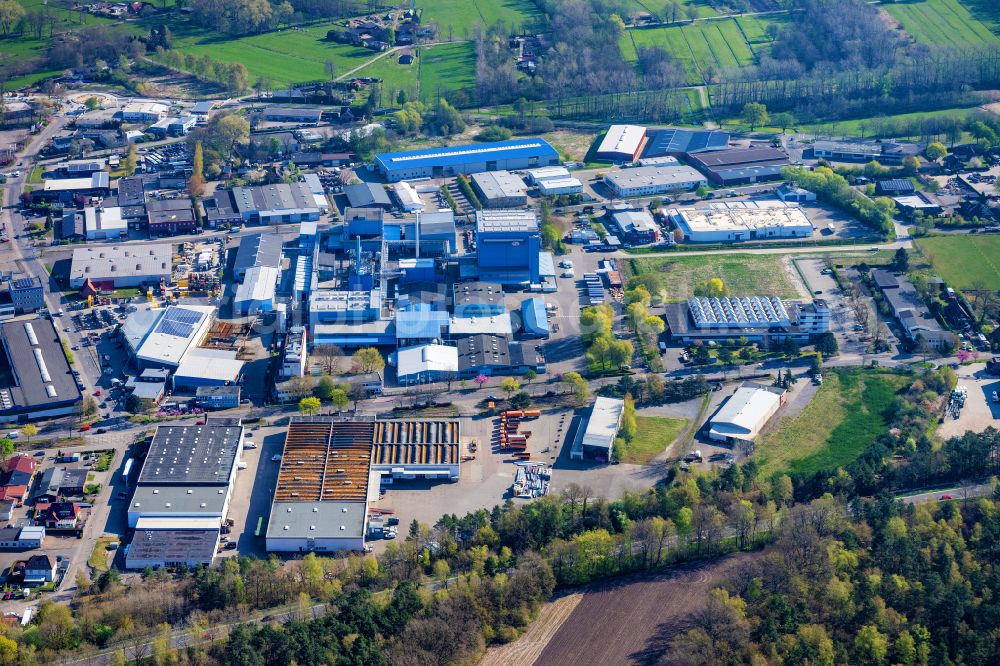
(525, 650)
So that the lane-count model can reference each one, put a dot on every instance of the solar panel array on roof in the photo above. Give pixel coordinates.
(674, 141)
(742, 312)
(179, 322)
(23, 283)
(176, 328)
(185, 316)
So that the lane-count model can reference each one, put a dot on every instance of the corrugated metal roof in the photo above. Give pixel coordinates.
(536, 320)
(457, 155)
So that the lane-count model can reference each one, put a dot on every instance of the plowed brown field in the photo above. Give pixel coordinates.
(625, 621)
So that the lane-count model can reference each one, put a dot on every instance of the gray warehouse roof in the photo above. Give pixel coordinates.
(258, 250)
(316, 519)
(191, 455)
(499, 184)
(119, 261)
(162, 211)
(39, 365)
(265, 198)
(366, 195)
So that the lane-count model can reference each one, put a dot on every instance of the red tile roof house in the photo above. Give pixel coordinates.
(16, 479)
(58, 515)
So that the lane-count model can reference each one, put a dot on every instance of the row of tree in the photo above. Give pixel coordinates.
(234, 77)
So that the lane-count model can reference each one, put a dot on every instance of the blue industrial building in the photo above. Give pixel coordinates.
(363, 223)
(414, 327)
(535, 318)
(420, 269)
(453, 160)
(508, 245)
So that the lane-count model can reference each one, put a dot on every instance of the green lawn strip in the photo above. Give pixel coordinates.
(846, 413)
(963, 260)
(99, 557)
(653, 435)
(729, 39)
(743, 274)
(35, 175)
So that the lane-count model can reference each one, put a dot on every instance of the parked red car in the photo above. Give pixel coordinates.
(85, 428)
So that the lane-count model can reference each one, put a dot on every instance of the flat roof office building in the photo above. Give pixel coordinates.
(453, 160)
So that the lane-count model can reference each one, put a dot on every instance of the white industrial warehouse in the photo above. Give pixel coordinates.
(741, 221)
(643, 181)
(182, 494)
(622, 143)
(331, 469)
(746, 412)
(598, 439)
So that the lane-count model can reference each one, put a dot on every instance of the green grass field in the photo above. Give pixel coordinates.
(704, 46)
(459, 17)
(962, 260)
(743, 274)
(286, 56)
(941, 22)
(847, 411)
(440, 67)
(654, 435)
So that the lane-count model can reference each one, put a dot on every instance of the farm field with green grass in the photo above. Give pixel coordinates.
(942, 22)
(704, 47)
(834, 427)
(653, 435)
(962, 260)
(440, 67)
(285, 56)
(461, 16)
(743, 274)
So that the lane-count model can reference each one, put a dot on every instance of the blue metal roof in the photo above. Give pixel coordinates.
(536, 320)
(456, 155)
(423, 324)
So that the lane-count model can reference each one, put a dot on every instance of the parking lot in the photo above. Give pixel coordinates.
(980, 411)
(819, 283)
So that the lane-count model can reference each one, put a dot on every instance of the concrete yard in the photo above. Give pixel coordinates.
(980, 411)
